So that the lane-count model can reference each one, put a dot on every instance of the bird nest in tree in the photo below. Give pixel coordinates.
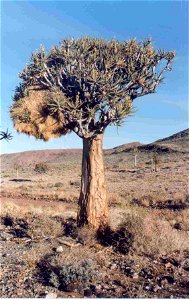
(31, 116)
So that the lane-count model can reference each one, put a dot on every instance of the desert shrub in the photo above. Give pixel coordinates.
(19, 226)
(41, 168)
(33, 254)
(70, 228)
(159, 201)
(50, 185)
(43, 225)
(126, 266)
(86, 235)
(58, 184)
(24, 187)
(114, 199)
(72, 275)
(75, 183)
(156, 236)
(7, 220)
(65, 273)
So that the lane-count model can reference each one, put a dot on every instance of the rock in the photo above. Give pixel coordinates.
(168, 265)
(135, 276)
(4, 236)
(59, 249)
(51, 296)
(113, 267)
(98, 287)
(156, 288)
(146, 273)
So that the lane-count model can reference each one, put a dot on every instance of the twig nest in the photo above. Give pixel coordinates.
(31, 116)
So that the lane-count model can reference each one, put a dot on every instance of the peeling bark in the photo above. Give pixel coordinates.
(93, 207)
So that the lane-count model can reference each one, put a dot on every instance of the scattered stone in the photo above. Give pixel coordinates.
(147, 287)
(113, 267)
(135, 276)
(156, 288)
(168, 266)
(59, 249)
(51, 296)
(4, 236)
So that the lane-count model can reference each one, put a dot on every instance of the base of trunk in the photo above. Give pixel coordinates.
(93, 207)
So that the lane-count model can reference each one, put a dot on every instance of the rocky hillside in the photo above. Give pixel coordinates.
(178, 142)
(123, 148)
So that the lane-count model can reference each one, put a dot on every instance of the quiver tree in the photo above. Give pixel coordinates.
(5, 135)
(82, 86)
(156, 161)
(135, 153)
(17, 168)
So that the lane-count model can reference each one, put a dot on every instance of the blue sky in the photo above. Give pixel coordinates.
(27, 24)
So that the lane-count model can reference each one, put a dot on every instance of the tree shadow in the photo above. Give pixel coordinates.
(21, 180)
(121, 239)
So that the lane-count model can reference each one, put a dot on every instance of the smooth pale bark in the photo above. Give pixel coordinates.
(93, 207)
(135, 160)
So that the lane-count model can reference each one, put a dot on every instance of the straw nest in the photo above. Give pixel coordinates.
(30, 115)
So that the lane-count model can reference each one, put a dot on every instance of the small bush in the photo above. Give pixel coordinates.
(8, 220)
(75, 183)
(58, 184)
(41, 168)
(73, 275)
(86, 236)
(70, 228)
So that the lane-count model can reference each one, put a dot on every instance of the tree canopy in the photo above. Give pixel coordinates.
(84, 85)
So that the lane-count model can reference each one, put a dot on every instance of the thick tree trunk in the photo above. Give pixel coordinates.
(93, 207)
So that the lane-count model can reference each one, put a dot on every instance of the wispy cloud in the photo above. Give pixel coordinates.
(181, 104)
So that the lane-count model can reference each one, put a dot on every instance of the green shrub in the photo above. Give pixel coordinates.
(72, 275)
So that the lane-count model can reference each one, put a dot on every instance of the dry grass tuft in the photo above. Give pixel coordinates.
(153, 235)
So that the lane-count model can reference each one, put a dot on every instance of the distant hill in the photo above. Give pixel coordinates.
(181, 135)
(178, 142)
(46, 156)
(123, 148)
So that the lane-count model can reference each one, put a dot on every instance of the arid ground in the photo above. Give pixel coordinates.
(144, 252)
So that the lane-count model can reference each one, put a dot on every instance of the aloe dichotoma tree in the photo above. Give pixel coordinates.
(82, 86)
(5, 135)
